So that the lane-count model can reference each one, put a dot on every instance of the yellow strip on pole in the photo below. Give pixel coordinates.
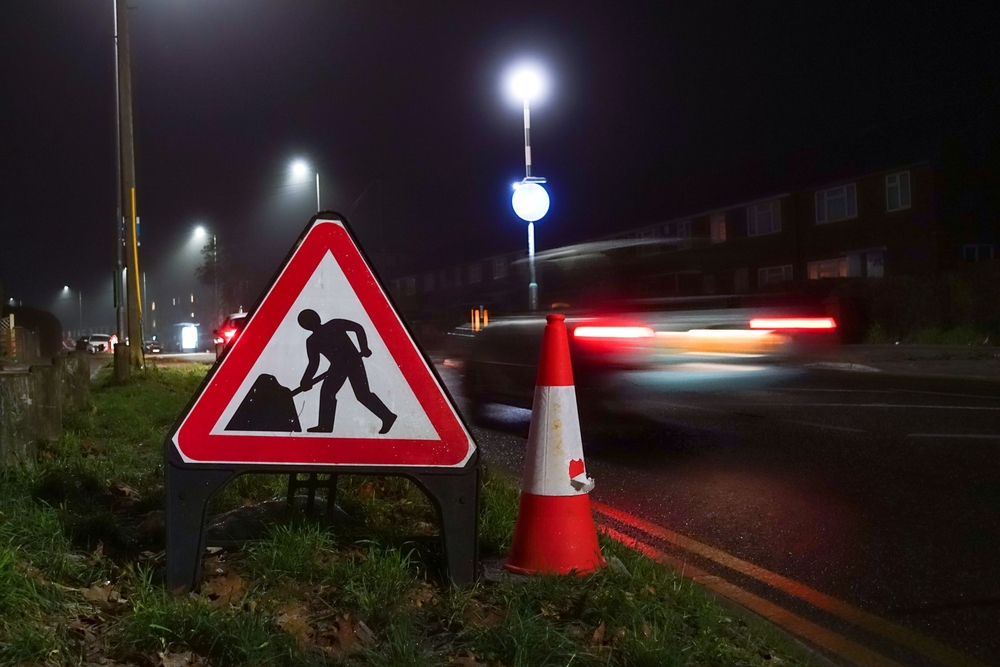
(135, 258)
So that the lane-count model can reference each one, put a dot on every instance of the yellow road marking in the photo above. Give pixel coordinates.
(826, 639)
(897, 633)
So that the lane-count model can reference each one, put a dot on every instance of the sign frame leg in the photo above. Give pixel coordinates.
(457, 499)
(188, 493)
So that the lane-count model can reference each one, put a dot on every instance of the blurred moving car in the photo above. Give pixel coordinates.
(81, 343)
(228, 332)
(647, 349)
(153, 347)
(99, 343)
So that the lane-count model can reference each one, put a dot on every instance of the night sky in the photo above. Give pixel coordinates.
(655, 110)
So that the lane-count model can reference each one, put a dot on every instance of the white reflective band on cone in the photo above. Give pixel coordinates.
(554, 465)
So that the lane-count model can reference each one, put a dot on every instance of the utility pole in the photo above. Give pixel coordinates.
(126, 152)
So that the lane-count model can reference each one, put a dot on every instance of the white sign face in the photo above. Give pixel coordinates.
(338, 351)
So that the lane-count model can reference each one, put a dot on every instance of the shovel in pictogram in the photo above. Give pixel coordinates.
(268, 406)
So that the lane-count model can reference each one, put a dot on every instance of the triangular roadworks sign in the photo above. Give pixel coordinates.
(324, 373)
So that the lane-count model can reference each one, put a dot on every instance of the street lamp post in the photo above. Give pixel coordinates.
(79, 300)
(530, 200)
(200, 233)
(300, 169)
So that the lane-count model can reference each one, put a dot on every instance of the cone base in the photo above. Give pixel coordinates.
(554, 535)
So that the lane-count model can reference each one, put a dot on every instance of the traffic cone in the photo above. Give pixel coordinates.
(555, 533)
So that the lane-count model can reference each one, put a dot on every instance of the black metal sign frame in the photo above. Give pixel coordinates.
(190, 487)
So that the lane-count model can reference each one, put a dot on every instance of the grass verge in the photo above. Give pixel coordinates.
(81, 543)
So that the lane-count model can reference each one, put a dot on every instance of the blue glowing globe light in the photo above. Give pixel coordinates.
(530, 201)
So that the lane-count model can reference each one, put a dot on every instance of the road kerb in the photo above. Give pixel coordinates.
(903, 636)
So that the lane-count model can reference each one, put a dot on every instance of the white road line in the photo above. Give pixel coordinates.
(835, 428)
(977, 436)
(871, 405)
(888, 391)
(941, 393)
(839, 391)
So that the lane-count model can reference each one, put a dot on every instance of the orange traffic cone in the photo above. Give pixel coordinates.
(555, 533)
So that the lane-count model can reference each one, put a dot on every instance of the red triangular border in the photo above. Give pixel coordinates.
(195, 442)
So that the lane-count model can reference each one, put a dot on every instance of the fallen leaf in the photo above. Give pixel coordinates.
(646, 630)
(185, 659)
(292, 618)
(468, 659)
(422, 594)
(345, 636)
(598, 637)
(223, 590)
(98, 594)
(125, 490)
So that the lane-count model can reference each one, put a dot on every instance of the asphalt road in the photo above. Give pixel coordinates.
(879, 493)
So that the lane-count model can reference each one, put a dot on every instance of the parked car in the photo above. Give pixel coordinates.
(228, 332)
(153, 347)
(99, 343)
(81, 343)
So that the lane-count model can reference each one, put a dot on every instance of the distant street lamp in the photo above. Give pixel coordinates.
(201, 233)
(530, 200)
(79, 298)
(300, 171)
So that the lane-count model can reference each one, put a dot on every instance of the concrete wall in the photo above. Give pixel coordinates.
(32, 404)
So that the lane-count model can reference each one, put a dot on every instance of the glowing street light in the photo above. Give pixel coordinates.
(200, 234)
(526, 82)
(79, 298)
(299, 171)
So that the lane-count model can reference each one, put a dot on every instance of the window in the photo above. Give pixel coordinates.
(680, 232)
(192, 298)
(828, 268)
(475, 273)
(499, 268)
(458, 277)
(974, 252)
(443, 279)
(708, 284)
(428, 282)
(897, 191)
(764, 218)
(774, 274)
(410, 286)
(175, 301)
(837, 204)
(650, 248)
(718, 227)
(875, 264)
(153, 306)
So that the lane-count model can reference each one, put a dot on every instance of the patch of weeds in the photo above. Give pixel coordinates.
(300, 549)
(400, 645)
(497, 513)
(390, 507)
(878, 335)
(249, 488)
(958, 335)
(33, 531)
(21, 595)
(30, 643)
(377, 580)
(91, 515)
(160, 621)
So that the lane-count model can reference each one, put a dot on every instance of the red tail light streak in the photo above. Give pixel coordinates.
(797, 323)
(613, 332)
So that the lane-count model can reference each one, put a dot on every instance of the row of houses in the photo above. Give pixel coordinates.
(889, 222)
